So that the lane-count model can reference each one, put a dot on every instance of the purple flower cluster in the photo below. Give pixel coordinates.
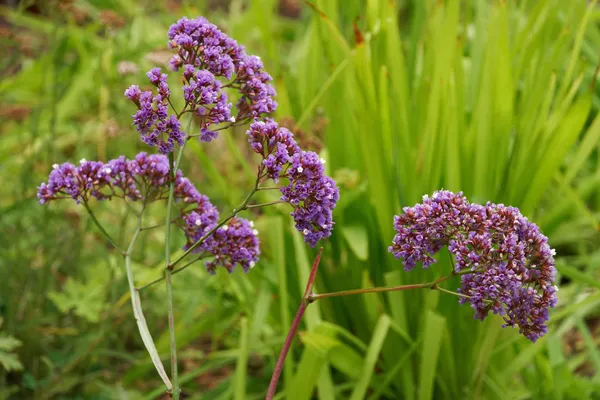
(257, 93)
(147, 177)
(156, 126)
(79, 183)
(206, 55)
(203, 94)
(312, 194)
(511, 262)
(201, 44)
(144, 176)
(274, 143)
(235, 243)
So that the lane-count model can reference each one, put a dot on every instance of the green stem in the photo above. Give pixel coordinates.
(429, 285)
(265, 204)
(176, 390)
(176, 271)
(101, 228)
(138, 312)
(464, 296)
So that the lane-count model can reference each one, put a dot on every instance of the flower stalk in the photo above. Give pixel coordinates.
(137, 309)
(310, 297)
(175, 390)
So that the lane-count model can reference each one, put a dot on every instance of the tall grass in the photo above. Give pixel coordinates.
(497, 99)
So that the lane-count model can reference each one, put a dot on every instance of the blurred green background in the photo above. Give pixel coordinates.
(498, 99)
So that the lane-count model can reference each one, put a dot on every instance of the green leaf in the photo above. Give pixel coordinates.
(358, 240)
(379, 334)
(9, 361)
(432, 340)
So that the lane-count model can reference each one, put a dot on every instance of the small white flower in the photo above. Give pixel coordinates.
(251, 223)
(198, 222)
(252, 264)
(225, 228)
(553, 252)
(108, 170)
(305, 232)
(254, 232)
(55, 166)
(555, 288)
(324, 226)
(300, 169)
(232, 119)
(323, 161)
(82, 160)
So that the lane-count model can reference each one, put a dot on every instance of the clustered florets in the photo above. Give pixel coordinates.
(512, 263)
(157, 127)
(235, 243)
(210, 63)
(147, 178)
(312, 194)
(205, 54)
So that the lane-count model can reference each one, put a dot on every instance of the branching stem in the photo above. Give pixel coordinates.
(101, 228)
(310, 297)
(243, 206)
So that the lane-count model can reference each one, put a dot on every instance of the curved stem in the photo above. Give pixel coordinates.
(101, 228)
(138, 312)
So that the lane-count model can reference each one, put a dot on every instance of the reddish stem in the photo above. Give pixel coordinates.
(292, 332)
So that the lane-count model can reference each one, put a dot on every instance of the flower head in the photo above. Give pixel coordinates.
(313, 196)
(512, 265)
(210, 62)
(198, 42)
(80, 183)
(257, 93)
(157, 128)
(204, 95)
(274, 143)
(233, 244)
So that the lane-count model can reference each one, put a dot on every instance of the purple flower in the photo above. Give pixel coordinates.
(257, 93)
(275, 144)
(120, 174)
(152, 120)
(205, 54)
(79, 183)
(203, 94)
(200, 43)
(198, 222)
(313, 196)
(233, 244)
(152, 170)
(512, 264)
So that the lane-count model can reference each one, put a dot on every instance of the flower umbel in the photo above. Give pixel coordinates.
(512, 263)
(313, 195)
